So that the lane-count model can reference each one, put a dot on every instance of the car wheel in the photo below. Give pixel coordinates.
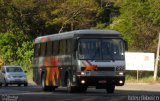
(26, 84)
(19, 85)
(5, 83)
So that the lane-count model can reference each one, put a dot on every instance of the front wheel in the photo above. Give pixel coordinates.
(26, 84)
(70, 88)
(19, 85)
(44, 87)
(82, 89)
(110, 88)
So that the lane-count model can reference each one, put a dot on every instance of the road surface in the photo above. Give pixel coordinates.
(129, 92)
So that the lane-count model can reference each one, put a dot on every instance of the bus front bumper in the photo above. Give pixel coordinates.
(99, 81)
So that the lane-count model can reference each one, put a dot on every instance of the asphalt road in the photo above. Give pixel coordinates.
(129, 92)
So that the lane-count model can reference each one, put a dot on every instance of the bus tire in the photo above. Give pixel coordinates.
(44, 87)
(82, 89)
(110, 88)
(70, 88)
(52, 88)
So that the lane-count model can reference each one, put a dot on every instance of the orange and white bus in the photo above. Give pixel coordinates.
(79, 59)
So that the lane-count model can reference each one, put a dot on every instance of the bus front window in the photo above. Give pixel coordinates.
(113, 49)
(89, 49)
(104, 49)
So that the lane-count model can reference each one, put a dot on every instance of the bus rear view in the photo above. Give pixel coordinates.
(80, 59)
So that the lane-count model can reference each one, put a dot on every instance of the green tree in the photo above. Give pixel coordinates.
(25, 55)
(8, 46)
(14, 49)
(74, 14)
(139, 23)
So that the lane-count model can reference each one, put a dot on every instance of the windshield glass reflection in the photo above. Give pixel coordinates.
(105, 49)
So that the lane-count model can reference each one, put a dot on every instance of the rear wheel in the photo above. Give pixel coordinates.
(44, 87)
(110, 88)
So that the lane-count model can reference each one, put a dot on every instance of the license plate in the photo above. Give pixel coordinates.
(102, 81)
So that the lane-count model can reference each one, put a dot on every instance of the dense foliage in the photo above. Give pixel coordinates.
(23, 20)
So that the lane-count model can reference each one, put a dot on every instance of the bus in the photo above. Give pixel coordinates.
(80, 59)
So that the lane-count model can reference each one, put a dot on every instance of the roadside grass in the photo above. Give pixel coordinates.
(146, 79)
(30, 75)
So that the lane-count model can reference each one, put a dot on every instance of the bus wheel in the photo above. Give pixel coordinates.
(110, 88)
(82, 89)
(44, 87)
(70, 88)
(52, 88)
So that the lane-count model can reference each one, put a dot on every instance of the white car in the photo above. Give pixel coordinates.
(13, 75)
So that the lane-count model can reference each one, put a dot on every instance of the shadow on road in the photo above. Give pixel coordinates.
(35, 93)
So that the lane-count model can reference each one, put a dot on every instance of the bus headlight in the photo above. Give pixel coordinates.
(121, 81)
(83, 81)
(83, 73)
(121, 73)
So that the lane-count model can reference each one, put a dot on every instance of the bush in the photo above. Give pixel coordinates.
(16, 50)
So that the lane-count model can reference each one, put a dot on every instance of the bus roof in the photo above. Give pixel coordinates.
(70, 34)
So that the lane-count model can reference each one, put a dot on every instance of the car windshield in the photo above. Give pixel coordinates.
(14, 69)
(104, 49)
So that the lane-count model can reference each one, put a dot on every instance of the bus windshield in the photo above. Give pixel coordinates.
(101, 49)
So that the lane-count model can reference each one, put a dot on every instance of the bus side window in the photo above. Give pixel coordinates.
(49, 48)
(43, 49)
(68, 46)
(36, 50)
(62, 47)
(55, 46)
